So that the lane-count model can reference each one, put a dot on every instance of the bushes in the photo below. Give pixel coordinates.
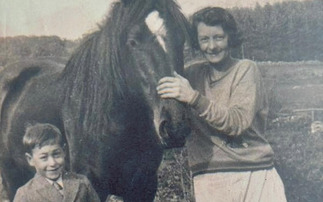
(174, 178)
(13, 48)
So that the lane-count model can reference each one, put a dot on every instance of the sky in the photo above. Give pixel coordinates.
(71, 19)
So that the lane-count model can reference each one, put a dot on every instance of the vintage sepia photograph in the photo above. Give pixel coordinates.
(161, 100)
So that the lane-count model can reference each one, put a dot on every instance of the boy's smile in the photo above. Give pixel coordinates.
(47, 160)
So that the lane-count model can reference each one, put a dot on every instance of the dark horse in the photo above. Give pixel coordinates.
(104, 101)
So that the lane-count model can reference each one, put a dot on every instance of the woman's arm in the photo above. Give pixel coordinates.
(246, 99)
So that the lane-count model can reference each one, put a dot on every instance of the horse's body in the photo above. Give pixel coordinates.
(104, 101)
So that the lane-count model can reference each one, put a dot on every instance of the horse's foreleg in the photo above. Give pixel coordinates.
(140, 176)
(142, 186)
(12, 176)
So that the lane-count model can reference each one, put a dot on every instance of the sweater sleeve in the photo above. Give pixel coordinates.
(246, 99)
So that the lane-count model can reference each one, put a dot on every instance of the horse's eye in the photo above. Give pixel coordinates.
(132, 42)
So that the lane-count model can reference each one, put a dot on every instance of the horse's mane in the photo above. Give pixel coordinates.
(94, 77)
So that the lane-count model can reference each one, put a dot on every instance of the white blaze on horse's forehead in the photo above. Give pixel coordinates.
(157, 26)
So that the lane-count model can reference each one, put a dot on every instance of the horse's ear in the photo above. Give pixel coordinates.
(126, 2)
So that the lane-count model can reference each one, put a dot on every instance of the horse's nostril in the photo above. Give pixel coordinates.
(162, 129)
(172, 137)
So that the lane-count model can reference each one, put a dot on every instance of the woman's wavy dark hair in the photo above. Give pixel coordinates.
(212, 16)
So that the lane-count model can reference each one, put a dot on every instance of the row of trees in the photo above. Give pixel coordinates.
(13, 48)
(287, 31)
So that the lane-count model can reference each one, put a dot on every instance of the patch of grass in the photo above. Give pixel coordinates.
(298, 159)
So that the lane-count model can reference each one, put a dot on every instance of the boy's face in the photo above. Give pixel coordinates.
(47, 160)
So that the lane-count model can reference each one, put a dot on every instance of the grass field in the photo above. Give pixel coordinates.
(298, 153)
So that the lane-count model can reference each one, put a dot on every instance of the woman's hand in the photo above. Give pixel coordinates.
(176, 87)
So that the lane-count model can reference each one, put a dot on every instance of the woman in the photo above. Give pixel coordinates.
(228, 155)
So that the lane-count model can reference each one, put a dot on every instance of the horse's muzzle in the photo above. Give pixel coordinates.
(173, 136)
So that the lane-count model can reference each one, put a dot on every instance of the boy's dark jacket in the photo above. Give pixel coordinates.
(77, 188)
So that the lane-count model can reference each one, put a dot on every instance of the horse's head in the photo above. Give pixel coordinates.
(141, 42)
(154, 46)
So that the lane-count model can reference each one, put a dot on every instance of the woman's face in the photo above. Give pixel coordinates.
(213, 42)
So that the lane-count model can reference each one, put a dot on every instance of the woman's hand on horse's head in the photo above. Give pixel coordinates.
(176, 87)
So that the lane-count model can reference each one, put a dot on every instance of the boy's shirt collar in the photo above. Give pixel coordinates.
(59, 181)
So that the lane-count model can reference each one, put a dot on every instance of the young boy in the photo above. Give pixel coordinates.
(44, 151)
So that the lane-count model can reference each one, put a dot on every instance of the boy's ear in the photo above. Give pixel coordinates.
(29, 159)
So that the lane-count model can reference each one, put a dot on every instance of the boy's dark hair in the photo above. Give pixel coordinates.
(213, 16)
(41, 134)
